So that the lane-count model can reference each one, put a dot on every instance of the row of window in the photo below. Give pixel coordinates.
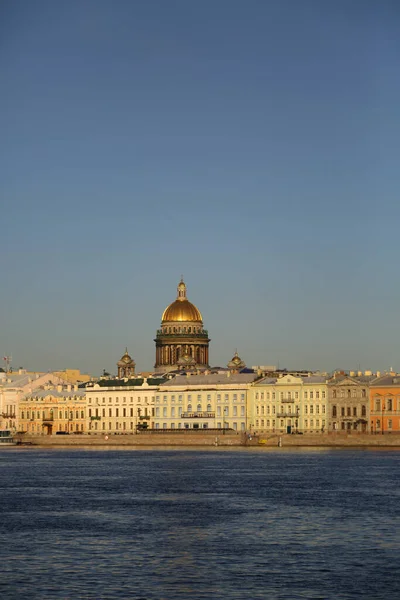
(291, 395)
(282, 424)
(221, 411)
(236, 426)
(272, 409)
(54, 414)
(349, 393)
(110, 400)
(349, 411)
(385, 405)
(199, 398)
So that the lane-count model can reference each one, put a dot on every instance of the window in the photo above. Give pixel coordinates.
(157, 411)
(242, 411)
(354, 411)
(389, 423)
(311, 409)
(317, 394)
(305, 395)
(218, 411)
(296, 395)
(164, 411)
(377, 404)
(110, 412)
(363, 393)
(267, 395)
(323, 395)
(349, 411)
(334, 394)
(363, 411)
(104, 412)
(189, 408)
(311, 395)
(235, 411)
(306, 409)
(317, 409)
(173, 411)
(124, 412)
(199, 408)
(343, 411)
(242, 397)
(389, 404)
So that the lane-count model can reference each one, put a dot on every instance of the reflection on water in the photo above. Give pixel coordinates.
(199, 524)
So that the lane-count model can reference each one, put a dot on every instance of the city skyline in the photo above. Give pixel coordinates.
(250, 146)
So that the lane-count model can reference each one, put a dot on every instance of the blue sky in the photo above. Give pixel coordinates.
(251, 146)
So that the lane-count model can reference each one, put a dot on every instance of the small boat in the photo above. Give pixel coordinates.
(6, 438)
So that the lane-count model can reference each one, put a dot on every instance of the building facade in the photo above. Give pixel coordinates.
(181, 342)
(121, 406)
(289, 404)
(204, 401)
(349, 403)
(13, 387)
(50, 410)
(385, 404)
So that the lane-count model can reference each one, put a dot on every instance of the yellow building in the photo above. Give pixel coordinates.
(289, 404)
(53, 410)
(73, 376)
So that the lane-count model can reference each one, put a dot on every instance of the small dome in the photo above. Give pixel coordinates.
(182, 310)
(236, 362)
(125, 359)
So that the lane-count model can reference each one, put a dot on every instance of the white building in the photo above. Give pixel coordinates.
(203, 401)
(121, 406)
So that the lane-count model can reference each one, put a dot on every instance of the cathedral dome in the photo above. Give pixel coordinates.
(181, 310)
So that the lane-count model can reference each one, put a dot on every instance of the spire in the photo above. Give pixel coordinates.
(181, 290)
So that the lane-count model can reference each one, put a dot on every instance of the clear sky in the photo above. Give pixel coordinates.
(252, 146)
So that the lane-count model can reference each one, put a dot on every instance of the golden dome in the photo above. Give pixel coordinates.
(182, 310)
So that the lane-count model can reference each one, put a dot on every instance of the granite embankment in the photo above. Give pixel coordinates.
(210, 439)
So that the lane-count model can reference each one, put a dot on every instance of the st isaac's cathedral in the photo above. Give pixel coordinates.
(182, 342)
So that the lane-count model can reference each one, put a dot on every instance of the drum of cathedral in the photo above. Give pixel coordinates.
(182, 342)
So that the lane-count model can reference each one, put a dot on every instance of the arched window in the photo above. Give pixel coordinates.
(208, 407)
(189, 407)
(199, 408)
(334, 411)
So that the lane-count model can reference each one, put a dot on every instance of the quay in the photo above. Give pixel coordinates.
(209, 439)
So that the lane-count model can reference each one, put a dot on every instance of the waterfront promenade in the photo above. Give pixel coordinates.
(203, 439)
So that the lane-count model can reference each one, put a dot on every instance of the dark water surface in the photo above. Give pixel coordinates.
(199, 524)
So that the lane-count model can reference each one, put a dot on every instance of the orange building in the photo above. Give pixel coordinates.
(385, 404)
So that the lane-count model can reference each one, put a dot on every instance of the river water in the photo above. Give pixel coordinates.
(191, 524)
